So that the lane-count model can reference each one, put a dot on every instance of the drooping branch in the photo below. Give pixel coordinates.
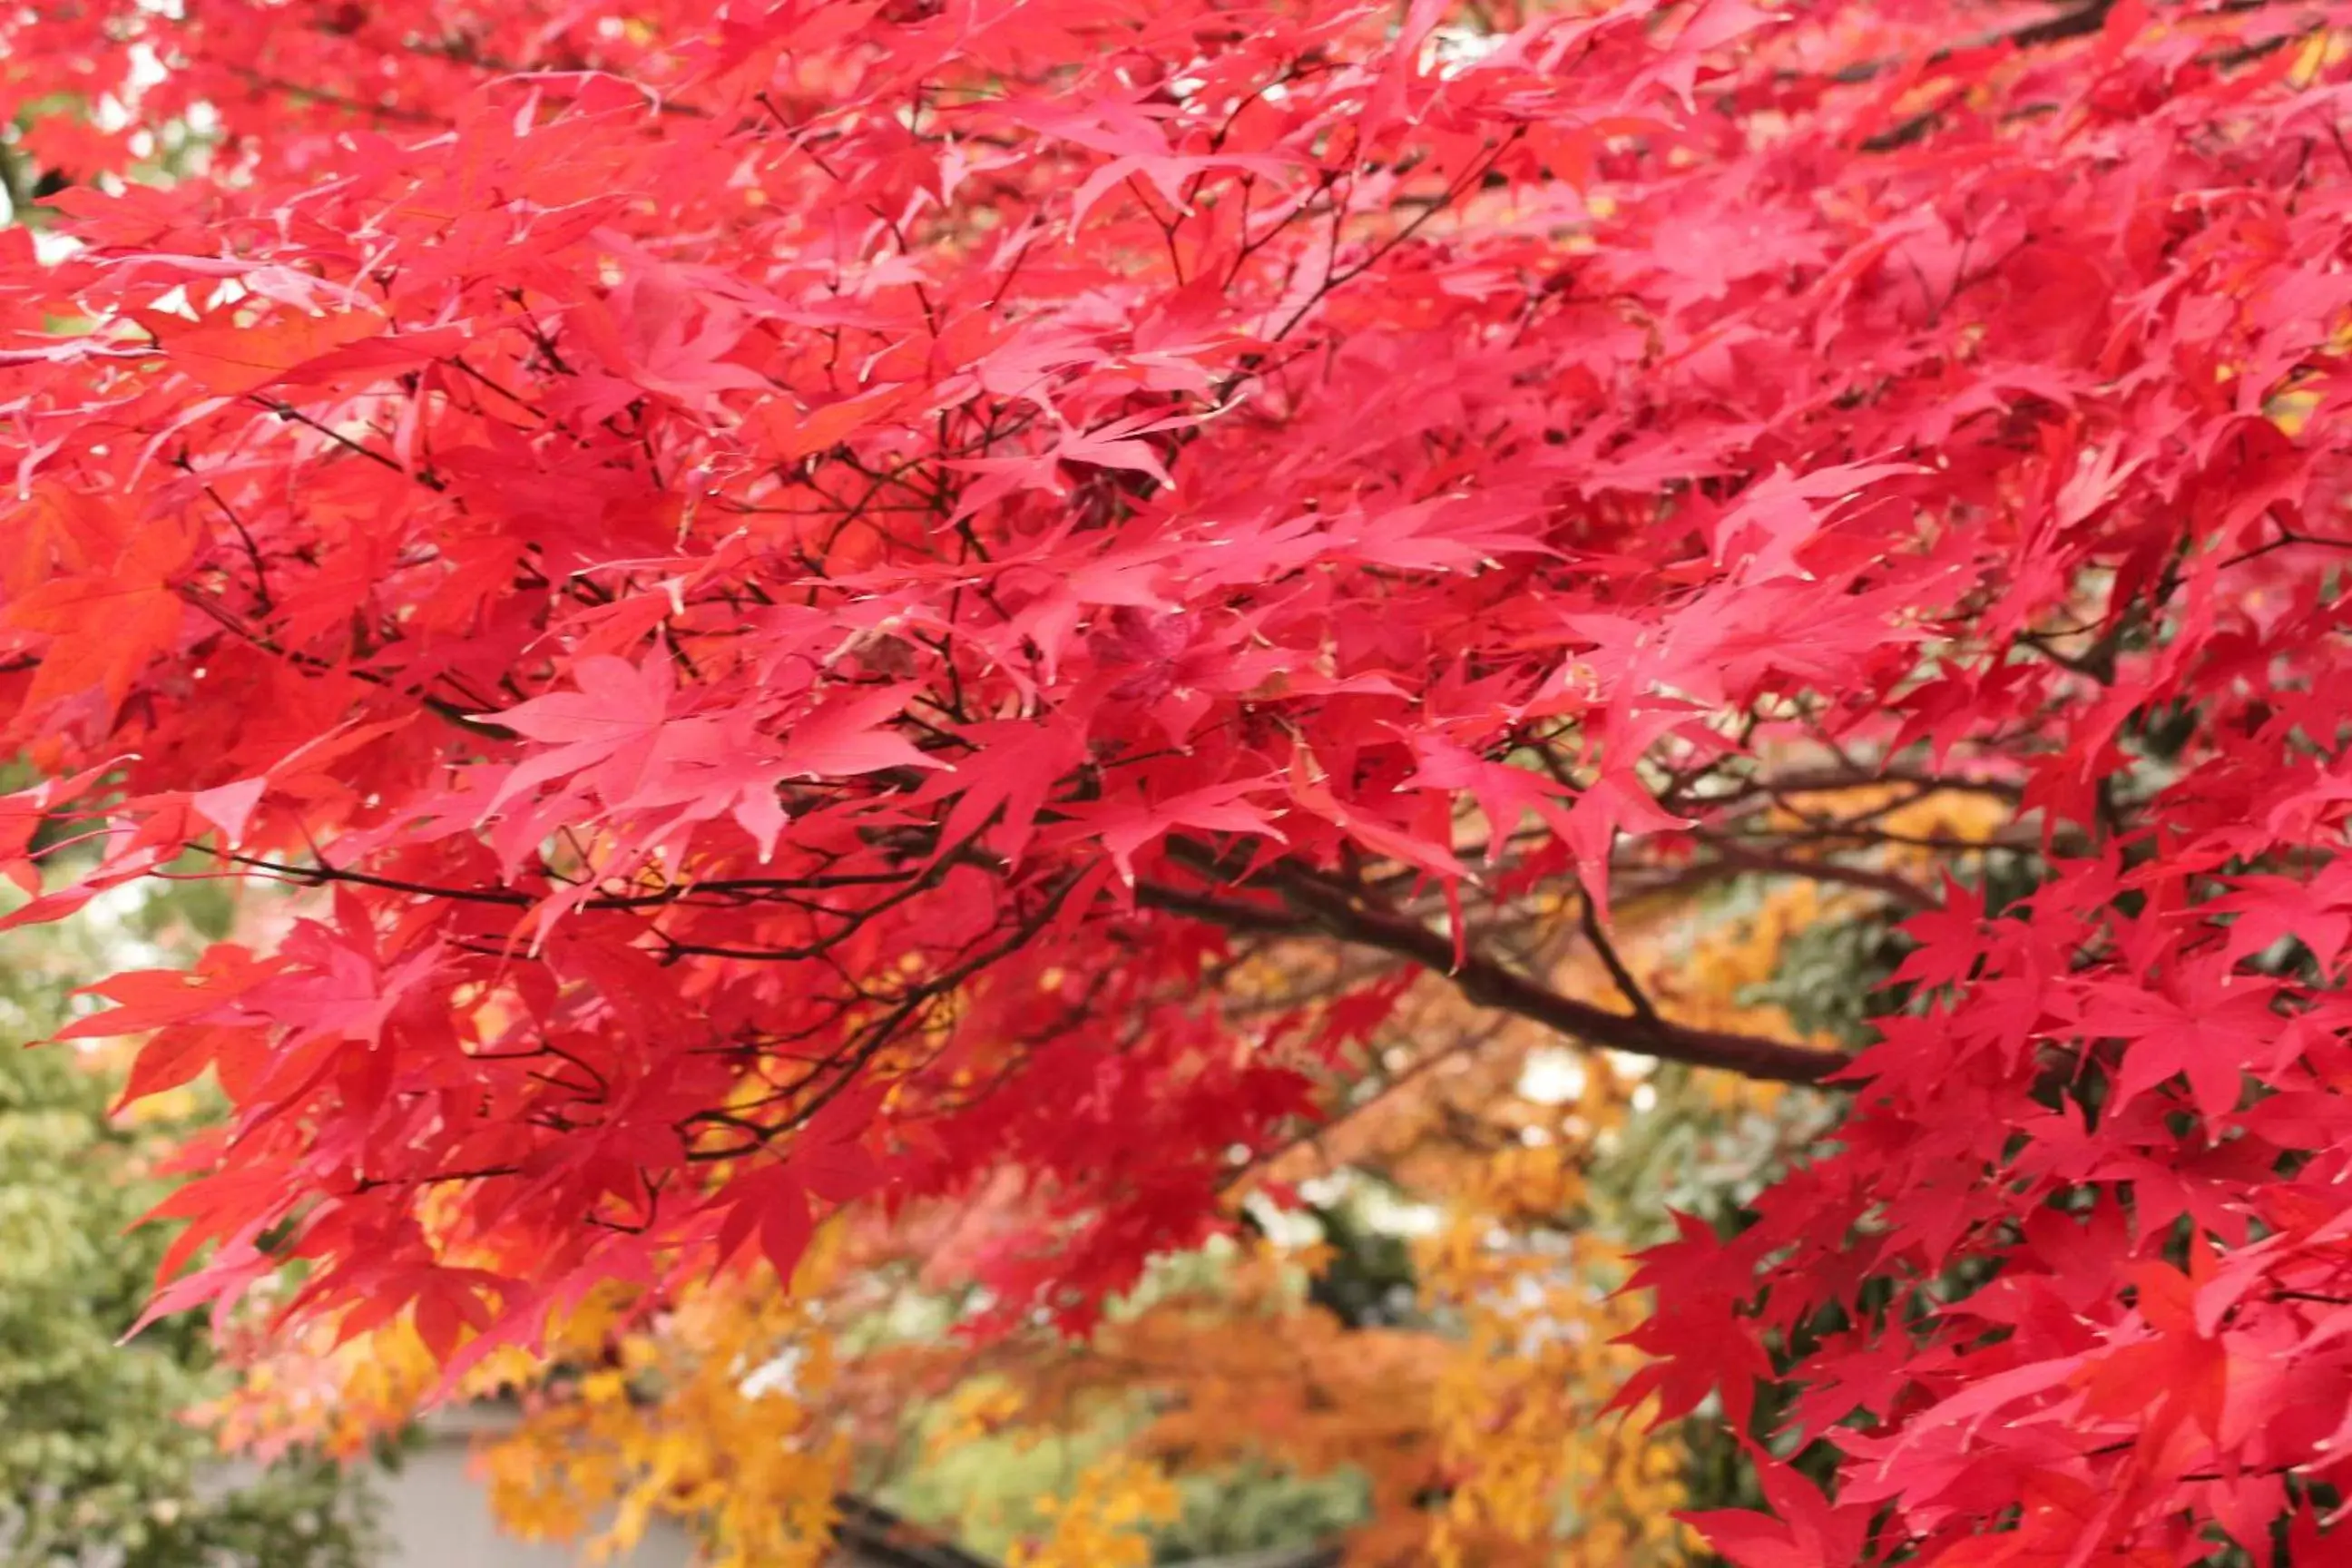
(2076, 21)
(1307, 905)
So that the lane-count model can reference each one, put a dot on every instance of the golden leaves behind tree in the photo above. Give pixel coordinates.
(1476, 1424)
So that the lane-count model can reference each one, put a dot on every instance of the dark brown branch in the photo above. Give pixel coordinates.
(1627, 986)
(398, 112)
(2077, 22)
(1807, 781)
(1313, 905)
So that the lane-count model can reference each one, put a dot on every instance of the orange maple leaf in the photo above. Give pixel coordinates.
(104, 625)
(230, 356)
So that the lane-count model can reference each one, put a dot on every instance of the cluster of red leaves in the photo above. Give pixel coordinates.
(801, 569)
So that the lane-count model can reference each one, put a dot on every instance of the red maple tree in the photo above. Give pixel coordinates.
(806, 575)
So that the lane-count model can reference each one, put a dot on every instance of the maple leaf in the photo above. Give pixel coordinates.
(226, 354)
(1807, 1531)
(132, 596)
(2318, 914)
(849, 735)
(615, 717)
(2213, 1043)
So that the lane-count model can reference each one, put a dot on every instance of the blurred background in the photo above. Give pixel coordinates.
(1405, 1350)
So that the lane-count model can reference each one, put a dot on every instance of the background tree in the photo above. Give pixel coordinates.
(1412, 1355)
(99, 1461)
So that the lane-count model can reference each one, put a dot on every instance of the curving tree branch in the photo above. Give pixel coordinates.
(1309, 906)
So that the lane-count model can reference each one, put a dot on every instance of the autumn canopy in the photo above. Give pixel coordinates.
(802, 582)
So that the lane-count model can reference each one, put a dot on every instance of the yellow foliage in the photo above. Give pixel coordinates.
(710, 1413)
(336, 1398)
(733, 1408)
(1518, 1409)
(977, 1410)
(1500, 1413)
(1103, 1523)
